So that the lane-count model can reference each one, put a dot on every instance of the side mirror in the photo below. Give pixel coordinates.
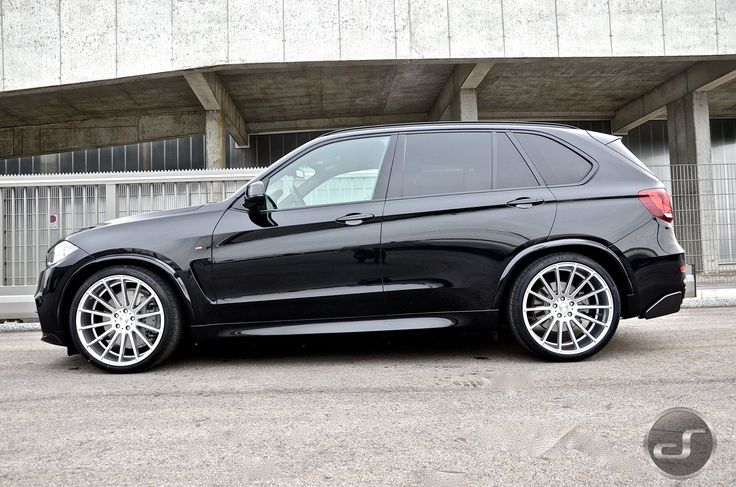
(255, 194)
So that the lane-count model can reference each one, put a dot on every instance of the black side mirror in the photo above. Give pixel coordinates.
(255, 194)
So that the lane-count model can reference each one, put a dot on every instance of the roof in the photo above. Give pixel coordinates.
(448, 125)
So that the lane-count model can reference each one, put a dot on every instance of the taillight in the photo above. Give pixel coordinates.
(657, 201)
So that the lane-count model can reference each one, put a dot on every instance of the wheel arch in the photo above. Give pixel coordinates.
(616, 265)
(151, 264)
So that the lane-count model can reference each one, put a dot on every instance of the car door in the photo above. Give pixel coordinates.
(312, 252)
(459, 204)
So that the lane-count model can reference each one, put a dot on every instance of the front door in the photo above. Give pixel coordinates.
(312, 252)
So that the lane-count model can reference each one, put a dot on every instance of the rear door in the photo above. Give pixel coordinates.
(459, 204)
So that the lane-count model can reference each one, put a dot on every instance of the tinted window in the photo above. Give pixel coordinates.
(556, 163)
(509, 168)
(439, 163)
(340, 172)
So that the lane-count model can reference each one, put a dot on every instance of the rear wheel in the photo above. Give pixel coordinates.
(125, 319)
(564, 307)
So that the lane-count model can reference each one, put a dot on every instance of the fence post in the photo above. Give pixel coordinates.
(111, 201)
(2, 236)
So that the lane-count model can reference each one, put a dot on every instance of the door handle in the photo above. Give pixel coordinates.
(525, 202)
(353, 219)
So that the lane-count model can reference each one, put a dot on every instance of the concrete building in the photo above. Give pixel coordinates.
(233, 83)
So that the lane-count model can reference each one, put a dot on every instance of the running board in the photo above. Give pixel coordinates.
(395, 324)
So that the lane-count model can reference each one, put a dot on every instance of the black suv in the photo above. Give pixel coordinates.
(556, 231)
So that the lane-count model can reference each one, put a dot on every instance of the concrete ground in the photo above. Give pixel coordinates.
(410, 409)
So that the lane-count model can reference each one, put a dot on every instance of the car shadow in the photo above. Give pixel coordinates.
(366, 347)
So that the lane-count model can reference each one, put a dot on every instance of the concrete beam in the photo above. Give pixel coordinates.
(545, 115)
(700, 77)
(332, 123)
(64, 136)
(213, 96)
(459, 90)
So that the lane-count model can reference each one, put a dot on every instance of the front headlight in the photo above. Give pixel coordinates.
(59, 251)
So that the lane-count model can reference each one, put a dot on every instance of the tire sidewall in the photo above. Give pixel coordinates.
(516, 314)
(172, 322)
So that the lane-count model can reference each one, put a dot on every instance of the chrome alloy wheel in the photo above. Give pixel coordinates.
(120, 320)
(568, 308)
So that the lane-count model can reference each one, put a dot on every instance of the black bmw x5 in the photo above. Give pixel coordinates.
(556, 231)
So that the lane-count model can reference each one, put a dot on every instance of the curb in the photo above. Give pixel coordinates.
(9, 326)
(708, 302)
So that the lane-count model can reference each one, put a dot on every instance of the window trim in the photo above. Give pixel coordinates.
(594, 166)
(379, 193)
(394, 192)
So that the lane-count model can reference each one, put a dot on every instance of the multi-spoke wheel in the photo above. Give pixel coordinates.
(564, 306)
(125, 319)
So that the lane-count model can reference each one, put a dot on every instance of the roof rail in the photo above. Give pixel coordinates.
(451, 122)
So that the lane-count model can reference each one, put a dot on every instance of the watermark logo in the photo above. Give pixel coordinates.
(680, 443)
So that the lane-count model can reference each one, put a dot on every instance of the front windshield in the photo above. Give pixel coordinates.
(340, 172)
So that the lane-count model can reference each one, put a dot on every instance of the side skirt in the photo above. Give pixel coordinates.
(482, 319)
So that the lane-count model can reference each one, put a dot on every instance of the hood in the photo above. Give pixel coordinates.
(151, 215)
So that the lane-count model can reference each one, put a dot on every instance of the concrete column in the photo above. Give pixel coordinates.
(464, 106)
(215, 139)
(688, 128)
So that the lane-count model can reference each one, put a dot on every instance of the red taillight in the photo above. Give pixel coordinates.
(657, 201)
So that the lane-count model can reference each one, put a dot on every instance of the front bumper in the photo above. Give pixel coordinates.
(50, 294)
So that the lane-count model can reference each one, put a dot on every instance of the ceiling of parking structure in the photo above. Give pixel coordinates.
(722, 100)
(332, 95)
(574, 87)
(335, 91)
(130, 98)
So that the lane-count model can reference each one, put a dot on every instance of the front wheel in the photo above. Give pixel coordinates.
(564, 307)
(125, 319)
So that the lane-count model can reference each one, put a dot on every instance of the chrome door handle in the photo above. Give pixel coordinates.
(353, 219)
(525, 202)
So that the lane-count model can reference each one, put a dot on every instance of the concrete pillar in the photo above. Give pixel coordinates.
(688, 128)
(215, 139)
(464, 106)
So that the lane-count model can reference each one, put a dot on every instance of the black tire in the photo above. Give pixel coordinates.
(173, 317)
(515, 310)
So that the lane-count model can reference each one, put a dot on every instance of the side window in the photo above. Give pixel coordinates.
(440, 163)
(341, 172)
(556, 163)
(509, 168)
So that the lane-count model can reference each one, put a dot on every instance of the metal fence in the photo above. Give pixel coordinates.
(36, 211)
(704, 202)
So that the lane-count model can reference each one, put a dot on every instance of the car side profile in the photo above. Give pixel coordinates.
(555, 231)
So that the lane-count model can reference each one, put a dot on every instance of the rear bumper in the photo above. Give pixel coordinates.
(666, 305)
(660, 286)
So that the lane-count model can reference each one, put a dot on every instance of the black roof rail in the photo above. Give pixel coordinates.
(452, 122)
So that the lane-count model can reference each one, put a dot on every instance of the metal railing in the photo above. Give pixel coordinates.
(704, 202)
(36, 211)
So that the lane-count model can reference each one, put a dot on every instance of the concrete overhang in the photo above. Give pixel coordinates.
(312, 96)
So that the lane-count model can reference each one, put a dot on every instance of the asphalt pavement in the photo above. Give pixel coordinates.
(399, 409)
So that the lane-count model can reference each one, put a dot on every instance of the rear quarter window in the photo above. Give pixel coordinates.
(556, 163)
